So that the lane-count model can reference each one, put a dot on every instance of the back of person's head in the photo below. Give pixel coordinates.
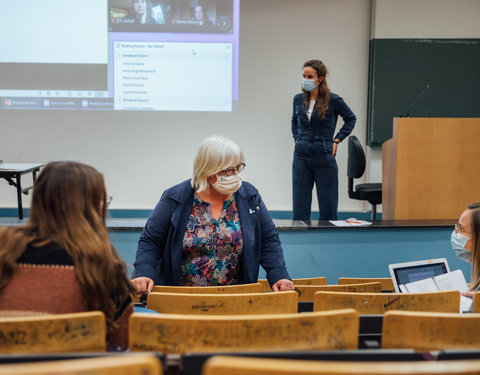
(68, 197)
(215, 154)
(69, 208)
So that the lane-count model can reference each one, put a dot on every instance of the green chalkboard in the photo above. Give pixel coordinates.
(401, 69)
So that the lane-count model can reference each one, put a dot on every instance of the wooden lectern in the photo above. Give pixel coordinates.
(431, 168)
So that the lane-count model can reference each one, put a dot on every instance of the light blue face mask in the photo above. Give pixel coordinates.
(308, 84)
(458, 245)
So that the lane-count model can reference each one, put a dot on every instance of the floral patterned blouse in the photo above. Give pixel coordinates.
(212, 250)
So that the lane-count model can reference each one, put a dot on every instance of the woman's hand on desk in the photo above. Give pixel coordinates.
(283, 285)
(468, 294)
(142, 284)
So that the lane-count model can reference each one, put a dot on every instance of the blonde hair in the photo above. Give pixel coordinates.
(216, 153)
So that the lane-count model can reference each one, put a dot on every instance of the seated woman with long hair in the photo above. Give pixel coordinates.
(62, 260)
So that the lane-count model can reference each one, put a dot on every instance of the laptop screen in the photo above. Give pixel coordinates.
(408, 272)
(415, 273)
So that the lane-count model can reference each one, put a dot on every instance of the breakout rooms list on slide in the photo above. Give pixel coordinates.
(173, 76)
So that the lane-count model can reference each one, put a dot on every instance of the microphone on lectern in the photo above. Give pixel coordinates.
(416, 100)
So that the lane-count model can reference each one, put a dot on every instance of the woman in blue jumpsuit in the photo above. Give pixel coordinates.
(315, 113)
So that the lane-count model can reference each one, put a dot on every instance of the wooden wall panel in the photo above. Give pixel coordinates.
(433, 165)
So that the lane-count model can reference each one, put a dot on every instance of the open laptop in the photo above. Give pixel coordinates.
(408, 272)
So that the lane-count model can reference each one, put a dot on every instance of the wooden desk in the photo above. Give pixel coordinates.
(12, 173)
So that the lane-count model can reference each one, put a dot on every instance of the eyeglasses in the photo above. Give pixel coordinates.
(109, 200)
(460, 229)
(239, 168)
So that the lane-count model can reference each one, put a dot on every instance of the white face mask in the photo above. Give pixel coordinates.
(459, 241)
(228, 184)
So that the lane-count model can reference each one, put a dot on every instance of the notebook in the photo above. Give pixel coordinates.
(409, 272)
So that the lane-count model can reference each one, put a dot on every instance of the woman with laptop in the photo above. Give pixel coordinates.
(466, 243)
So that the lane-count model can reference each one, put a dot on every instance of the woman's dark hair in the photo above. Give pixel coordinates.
(323, 98)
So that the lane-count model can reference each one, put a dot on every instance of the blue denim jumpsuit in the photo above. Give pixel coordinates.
(312, 159)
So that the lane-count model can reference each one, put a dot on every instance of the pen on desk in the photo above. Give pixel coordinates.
(353, 221)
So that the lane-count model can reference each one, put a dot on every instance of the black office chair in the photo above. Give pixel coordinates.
(371, 192)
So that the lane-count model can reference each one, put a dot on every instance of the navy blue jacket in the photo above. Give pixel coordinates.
(159, 252)
(321, 130)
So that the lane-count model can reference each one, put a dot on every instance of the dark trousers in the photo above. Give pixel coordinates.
(310, 165)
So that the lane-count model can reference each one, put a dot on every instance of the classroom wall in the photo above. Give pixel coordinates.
(143, 153)
(426, 19)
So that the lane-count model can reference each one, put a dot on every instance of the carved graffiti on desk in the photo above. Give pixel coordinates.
(298, 332)
(13, 337)
(391, 302)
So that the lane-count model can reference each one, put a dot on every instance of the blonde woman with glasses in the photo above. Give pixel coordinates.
(211, 230)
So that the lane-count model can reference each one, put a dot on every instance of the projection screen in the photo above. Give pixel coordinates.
(146, 55)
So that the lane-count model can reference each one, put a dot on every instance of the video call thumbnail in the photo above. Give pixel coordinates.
(178, 16)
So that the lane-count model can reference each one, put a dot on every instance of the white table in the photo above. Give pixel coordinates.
(12, 173)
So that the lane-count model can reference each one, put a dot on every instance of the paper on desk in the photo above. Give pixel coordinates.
(351, 223)
(448, 281)
(466, 304)
(17, 166)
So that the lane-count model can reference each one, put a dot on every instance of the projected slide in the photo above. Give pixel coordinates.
(173, 76)
(171, 55)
